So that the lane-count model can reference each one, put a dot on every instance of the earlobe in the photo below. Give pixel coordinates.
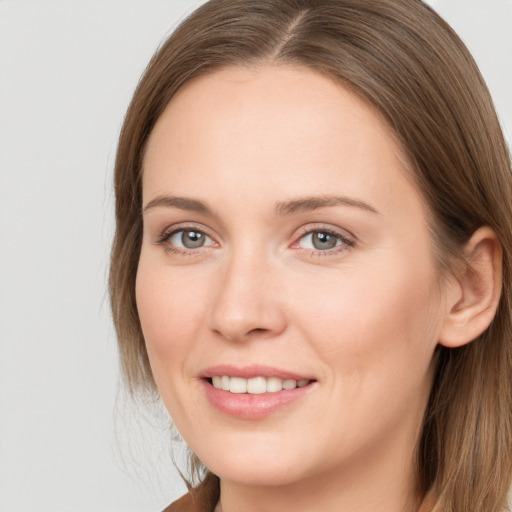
(475, 295)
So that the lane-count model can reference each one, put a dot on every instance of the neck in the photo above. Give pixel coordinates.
(304, 498)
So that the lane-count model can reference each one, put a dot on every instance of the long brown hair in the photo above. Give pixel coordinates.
(402, 58)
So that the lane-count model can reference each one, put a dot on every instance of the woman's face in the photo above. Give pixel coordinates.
(285, 245)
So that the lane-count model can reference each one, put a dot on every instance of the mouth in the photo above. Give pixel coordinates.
(255, 385)
(252, 393)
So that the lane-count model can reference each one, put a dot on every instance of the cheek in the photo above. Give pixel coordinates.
(374, 324)
(170, 315)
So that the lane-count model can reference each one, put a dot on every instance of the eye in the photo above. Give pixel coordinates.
(184, 240)
(189, 239)
(323, 240)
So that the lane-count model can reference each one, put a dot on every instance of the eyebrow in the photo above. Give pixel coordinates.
(302, 204)
(305, 204)
(182, 203)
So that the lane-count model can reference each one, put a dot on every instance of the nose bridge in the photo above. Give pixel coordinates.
(245, 302)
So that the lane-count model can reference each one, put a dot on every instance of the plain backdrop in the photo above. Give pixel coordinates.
(68, 440)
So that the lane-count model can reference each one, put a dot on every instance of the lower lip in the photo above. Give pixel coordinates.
(253, 407)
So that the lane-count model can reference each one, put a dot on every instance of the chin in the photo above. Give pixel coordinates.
(255, 467)
(248, 474)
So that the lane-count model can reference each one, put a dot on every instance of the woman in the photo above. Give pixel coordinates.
(312, 258)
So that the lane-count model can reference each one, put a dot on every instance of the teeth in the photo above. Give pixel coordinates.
(274, 384)
(289, 384)
(256, 385)
(224, 383)
(237, 385)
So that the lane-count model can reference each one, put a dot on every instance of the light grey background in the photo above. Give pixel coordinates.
(67, 70)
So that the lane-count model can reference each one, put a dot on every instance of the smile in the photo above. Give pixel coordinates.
(254, 392)
(256, 385)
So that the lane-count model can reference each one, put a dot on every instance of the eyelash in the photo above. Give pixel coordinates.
(346, 242)
(165, 237)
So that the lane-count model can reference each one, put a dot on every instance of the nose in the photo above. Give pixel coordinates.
(247, 303)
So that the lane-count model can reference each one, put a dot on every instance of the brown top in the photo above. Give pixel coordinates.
(204, 498)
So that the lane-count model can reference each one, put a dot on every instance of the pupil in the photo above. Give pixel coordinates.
(323, 241)
(192, 239)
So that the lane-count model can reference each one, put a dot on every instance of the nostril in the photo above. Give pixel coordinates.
(257, 330)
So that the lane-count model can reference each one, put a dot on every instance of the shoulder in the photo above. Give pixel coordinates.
(190, 503)
(185, 504)
(202, 498)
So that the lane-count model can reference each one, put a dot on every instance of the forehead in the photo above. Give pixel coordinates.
(274, 129)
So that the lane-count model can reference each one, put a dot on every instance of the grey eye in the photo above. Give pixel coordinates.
(190, 239)
(320, 240)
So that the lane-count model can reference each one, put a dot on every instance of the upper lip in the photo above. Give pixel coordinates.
(251, 371)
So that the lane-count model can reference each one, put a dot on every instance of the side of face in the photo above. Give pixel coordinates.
(282, 232)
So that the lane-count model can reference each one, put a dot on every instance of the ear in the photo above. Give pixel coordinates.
(474, 296)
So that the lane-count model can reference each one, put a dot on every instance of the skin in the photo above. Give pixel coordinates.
(363, 319)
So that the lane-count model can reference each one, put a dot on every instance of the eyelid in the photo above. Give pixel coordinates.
(165, 236)
(171, 238)
(329, 228)
(347, 238)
